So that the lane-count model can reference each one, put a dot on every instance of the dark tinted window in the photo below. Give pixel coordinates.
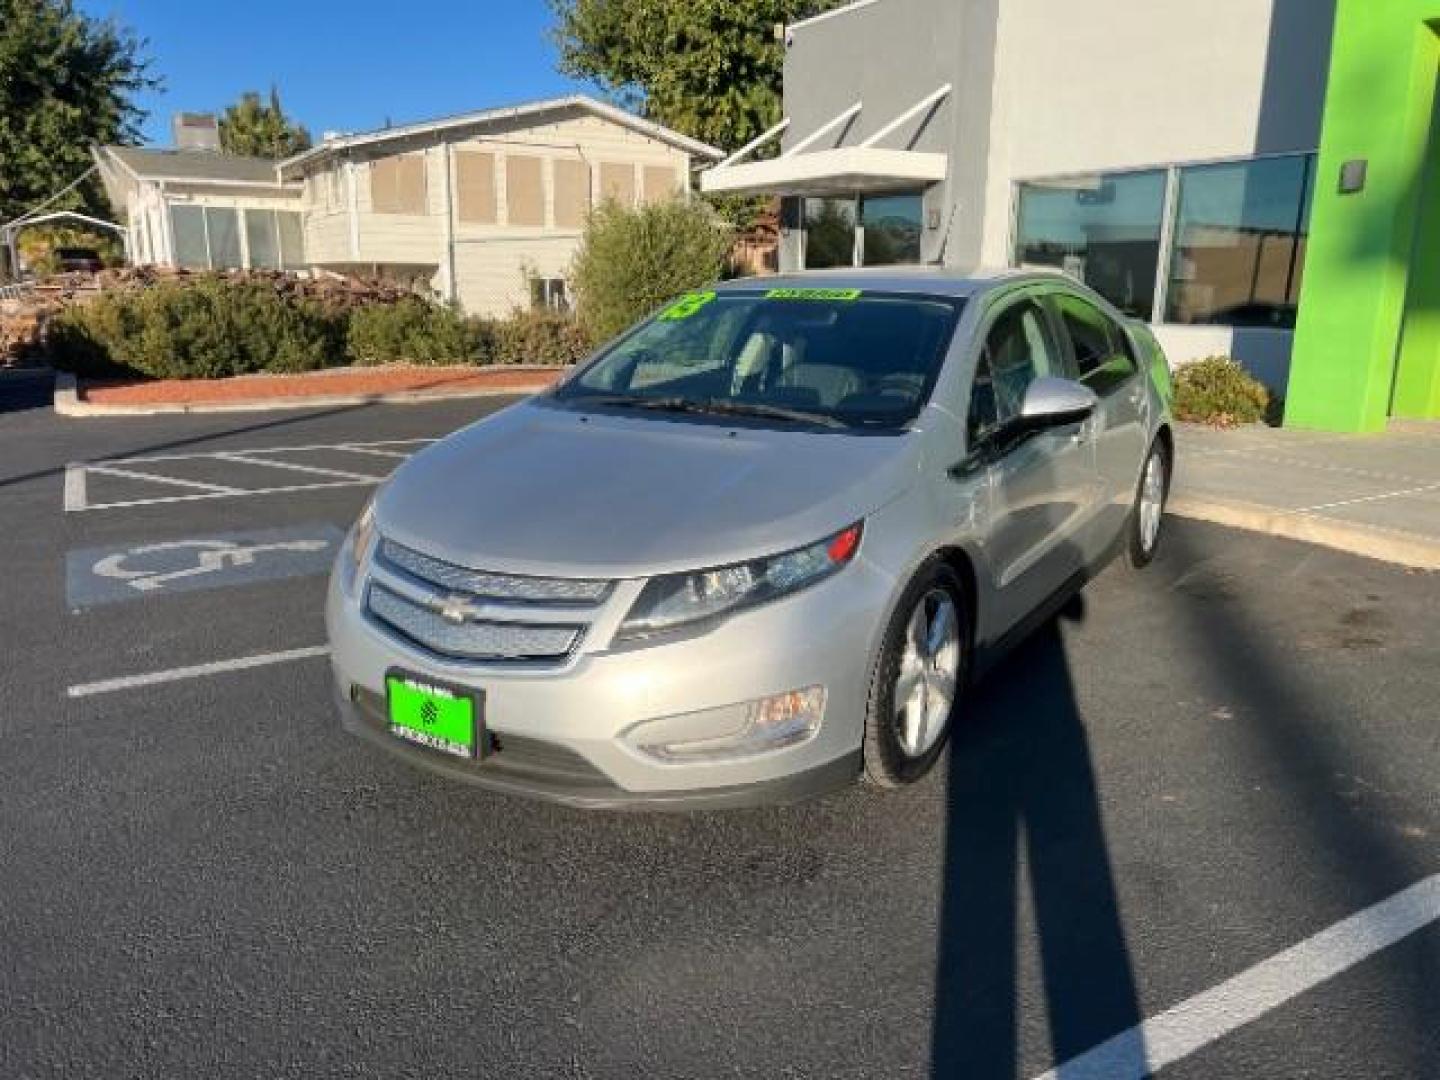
(1102, 357)
(1018, 350)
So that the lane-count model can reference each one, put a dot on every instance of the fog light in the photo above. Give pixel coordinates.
(733, 731)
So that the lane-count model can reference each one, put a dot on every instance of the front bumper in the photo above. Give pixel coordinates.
(561, 733)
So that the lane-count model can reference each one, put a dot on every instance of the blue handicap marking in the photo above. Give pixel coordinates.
(166, 567)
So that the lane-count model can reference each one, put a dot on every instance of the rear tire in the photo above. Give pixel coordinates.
(1147, 519)
(919, 678)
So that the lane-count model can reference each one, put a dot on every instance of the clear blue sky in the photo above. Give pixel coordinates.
(342, 66)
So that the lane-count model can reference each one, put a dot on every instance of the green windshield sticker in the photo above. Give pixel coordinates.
(812, 294)
(687, 305)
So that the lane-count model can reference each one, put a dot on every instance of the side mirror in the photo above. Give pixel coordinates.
(1048, 403)
(1051, 402)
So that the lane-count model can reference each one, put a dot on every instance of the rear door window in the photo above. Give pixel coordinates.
(1103, 359)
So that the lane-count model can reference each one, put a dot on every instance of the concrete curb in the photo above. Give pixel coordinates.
(1369, 541)
(68, 402)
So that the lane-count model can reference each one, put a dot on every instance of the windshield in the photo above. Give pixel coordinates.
(833, 357)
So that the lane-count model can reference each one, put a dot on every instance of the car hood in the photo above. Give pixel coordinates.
(539, 489)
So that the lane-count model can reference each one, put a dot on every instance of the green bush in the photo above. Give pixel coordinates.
(632, 261)
(206, 328)
(412, 330)
(211, 326)
(1217, 390)
(532, 337)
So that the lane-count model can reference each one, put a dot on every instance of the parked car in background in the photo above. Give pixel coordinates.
(71, 259)
(758, 546)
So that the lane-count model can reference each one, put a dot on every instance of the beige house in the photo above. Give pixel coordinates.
(485, 208)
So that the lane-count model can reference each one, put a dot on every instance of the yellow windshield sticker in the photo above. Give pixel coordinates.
(812, 294)
(687, 305)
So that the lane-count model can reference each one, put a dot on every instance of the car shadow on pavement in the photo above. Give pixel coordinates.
(1021, 778)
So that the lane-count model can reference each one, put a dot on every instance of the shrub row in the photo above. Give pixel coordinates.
(211, 327)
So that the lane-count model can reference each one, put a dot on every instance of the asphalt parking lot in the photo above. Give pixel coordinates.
(1223, 768)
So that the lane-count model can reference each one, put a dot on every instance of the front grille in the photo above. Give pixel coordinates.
(468, 639)
(504, 587)
(460, 613)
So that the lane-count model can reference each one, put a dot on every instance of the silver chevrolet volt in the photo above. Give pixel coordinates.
(758, 546)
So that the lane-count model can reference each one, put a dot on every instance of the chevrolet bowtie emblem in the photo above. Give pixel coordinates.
(455, 609)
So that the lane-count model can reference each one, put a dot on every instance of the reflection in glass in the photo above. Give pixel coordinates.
(1103, 229)
(829, 233)
(892, 229)
(1240, 243)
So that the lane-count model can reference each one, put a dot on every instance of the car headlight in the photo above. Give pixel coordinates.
(676, 600)
(361, 534)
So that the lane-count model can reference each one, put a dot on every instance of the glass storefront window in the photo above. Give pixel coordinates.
(1239, 245)
(829, 233)
(187, 226)
(892, 229)
(1103, 229)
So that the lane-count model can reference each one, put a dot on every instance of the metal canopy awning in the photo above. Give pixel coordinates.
(865, 168)
(829, 172)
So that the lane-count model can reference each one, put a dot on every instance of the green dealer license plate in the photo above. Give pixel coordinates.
(443, 718)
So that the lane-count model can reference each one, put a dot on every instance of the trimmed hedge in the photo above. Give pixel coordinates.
(1217, 390)
(213, 327)
(207, 328)
(413, 330)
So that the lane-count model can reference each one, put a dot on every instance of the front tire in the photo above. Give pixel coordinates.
(919, 677)
(1148, 516)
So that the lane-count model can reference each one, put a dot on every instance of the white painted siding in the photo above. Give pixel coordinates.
(491, 260)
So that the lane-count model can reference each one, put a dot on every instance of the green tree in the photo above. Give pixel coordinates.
(708, 68)
(67, 83)
(256, 129)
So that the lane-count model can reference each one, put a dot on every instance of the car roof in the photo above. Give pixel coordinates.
(933, 280)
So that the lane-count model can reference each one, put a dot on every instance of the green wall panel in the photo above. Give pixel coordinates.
(1375, 253)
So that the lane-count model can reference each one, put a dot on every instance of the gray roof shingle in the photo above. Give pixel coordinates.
(195, 165)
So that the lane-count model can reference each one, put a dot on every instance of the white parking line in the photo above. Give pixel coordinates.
(287, 489)
(154, 678)
(74, 487)
(1208, 1016)
(131, 474)
(314, 470)
(77, 489)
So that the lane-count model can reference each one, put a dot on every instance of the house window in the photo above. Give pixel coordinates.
(1239, 250)
(397, 184)
(292, 240)
(475, 187)
(262, 240)
(572, 193)
(187, 228)
(549, 294)
(661, 182)
(617, 183)
(524, 190)
(829, 233)
(222, 228)
(1103, 229)
(335, 184)
(891, 226)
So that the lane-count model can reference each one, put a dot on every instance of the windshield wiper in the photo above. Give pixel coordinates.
(711, 407)
(769, 412)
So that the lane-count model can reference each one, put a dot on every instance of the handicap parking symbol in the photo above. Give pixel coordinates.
(106, 575)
